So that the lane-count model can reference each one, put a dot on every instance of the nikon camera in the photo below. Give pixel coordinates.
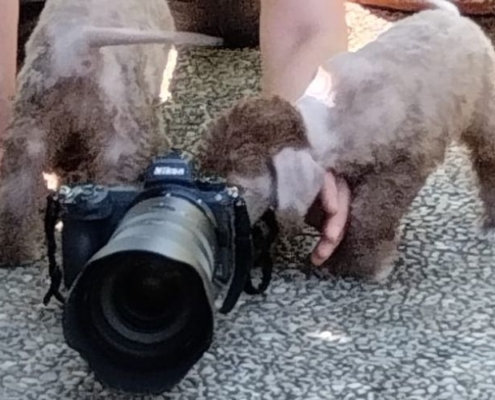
(146, 267)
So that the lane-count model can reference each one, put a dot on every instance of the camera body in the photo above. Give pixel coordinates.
(91, 213)
(147, 265)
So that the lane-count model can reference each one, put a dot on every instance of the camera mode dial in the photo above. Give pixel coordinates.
(85, 199)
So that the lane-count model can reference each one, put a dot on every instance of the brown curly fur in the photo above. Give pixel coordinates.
(253, 128)
(385, 149)
(83, 111)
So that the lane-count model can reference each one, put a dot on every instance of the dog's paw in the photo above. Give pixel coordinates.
(17, 255)
(20, 247)
(384, 268)
(486, 228)
(373, 267)
(488, 233)
(488, 224)
(382, 273)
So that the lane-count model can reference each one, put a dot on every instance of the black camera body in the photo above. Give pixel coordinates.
(147, 265)
(91, 213)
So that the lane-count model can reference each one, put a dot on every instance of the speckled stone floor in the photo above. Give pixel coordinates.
(428, 333)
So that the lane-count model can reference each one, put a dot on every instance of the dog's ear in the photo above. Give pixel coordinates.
(299, 180)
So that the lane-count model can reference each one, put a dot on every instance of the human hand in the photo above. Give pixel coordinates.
(329, 215)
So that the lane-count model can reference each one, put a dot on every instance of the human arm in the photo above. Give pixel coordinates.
(330, 215)
(296, 38)
(9, 19)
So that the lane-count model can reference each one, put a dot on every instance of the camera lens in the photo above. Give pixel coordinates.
(148, 306)
(141, 311)
(147, 294)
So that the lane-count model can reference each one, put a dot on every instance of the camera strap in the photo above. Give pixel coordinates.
(252, 247)
(266, 277)
(265, 233)
(244, 256)
(51, 219)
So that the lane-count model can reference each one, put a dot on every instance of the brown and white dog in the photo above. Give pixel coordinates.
(382, 118)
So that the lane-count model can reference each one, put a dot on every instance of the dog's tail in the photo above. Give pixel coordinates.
(447, 5)
(101, 37)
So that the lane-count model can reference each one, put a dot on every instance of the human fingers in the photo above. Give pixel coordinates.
(334, 227)
(329, 194)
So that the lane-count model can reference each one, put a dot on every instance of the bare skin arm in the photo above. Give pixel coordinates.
(296, 38)
(9, 19)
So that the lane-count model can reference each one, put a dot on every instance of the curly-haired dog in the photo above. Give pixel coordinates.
(382, 118)
(85, 104)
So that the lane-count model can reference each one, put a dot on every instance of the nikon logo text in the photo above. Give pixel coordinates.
(161, 171)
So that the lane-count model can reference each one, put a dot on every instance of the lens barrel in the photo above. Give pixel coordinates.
(141, 312)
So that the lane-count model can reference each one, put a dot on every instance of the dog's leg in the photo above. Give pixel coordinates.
(481, 141)
(116, 161)
(379, 201)
(21, 189)
(123, 154)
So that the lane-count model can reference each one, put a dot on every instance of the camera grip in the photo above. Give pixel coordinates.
(80, 241)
